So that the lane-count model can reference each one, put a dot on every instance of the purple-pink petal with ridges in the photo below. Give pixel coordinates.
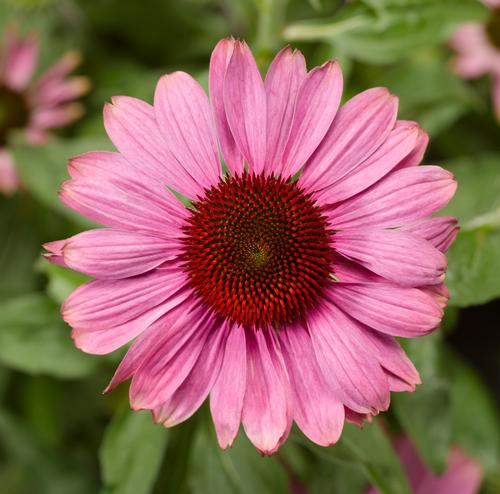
(112, 167)
(128, 205)
(166, 367)
(393, 359)
(189, 396)
(226, 397)
(283, 80)
(54, 252)
(344, 356)
(113, 337)
(101, 304)
(400, 143)
(439, 294)
(113, 254)
(217, 73)
(417, 155)
(398, 256)
(316, 408)
(186, 122)
(347, 271)
(317, 103)
(391, 309)
(359, 128)
(440, 231)
(400, 197)
(267, 403)
(132, 127)
(356, 418)
(169, 327)
(19, 59)
(245, 104)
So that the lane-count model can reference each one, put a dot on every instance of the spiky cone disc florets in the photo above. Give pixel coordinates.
(257, 250)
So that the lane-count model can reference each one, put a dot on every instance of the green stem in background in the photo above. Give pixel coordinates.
(269, 30)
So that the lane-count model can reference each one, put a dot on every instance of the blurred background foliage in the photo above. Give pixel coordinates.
(59, 435)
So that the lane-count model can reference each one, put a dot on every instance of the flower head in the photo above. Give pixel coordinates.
(277, 297)
(463, 475)
(478, 50)
(36, 106)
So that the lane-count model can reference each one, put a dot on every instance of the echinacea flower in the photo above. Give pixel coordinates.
(463, 475)
(478, 50)
(33, 106)
(277, 297)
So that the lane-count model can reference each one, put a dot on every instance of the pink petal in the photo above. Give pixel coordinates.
(19, 59)
(167, 367)
(107, 340)
(124, 205)
(440, 232)
(393, 359)
(282, 83)
(60, 91)
(189, 396)
(463, 475)
(218, 66)
(317, 410)
(183, 114)
(131, 125)
(396, 255)
(359, 128)
(417, 155)
(399, 144)
(344, 356)
(55, 117)
(266, 407)
(168, 328)
(101, 304)
(117, 254)
(9, 179)
(226, 397)
(401, 197)
(394, 310)
(317, 103)
(245, 104)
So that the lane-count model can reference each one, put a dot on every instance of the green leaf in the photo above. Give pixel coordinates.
(131, 453)
(369, 449)
(43, 169)
(34, 339)
(425, 414)
(239, 470)
(388, 30)
(475, 419)
(474, 263)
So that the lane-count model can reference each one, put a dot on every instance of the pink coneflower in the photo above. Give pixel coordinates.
(463, 475)
(279, 298)
(32, 106)
(478, 50)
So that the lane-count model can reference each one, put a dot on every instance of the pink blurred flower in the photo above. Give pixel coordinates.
(463, 475)
(478, 50)
(278, 298)
(34, 106)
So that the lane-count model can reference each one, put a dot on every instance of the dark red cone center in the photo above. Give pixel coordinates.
(258, 250)
(13, 112)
